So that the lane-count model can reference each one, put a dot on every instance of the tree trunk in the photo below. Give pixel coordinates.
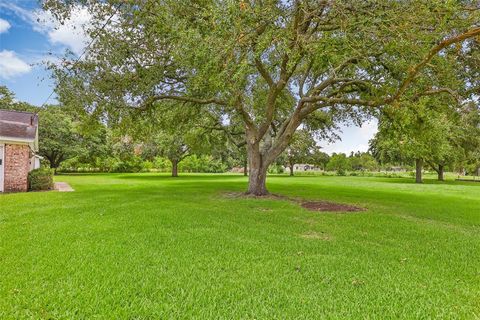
(258, 162)
(257, 171)
(174, 168)
(257, 181)
(291, 170)
(418, 170)
(440, 173)
(245, 167)
(54, 166)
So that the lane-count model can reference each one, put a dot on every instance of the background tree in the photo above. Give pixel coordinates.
(334, 58)
(320, 159)
(6, 98)
(301, 149)
(94, 141)
(174, 147)
(171, 132)
(8, 101)
(58, 140)
(468, 138)
(425, 133)
(339, 163)
(362, 161)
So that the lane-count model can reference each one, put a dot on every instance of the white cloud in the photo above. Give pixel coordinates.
(11, 65)
(369, 129)
(4, 25)
(70, 34)
(352, 138)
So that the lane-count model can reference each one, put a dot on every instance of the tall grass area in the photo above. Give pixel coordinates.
(147, 246)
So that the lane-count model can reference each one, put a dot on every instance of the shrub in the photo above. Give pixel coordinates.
(129, 165)
(147, 166)
(40, 179)
(162, 164)
(276, 169)
(203, 163)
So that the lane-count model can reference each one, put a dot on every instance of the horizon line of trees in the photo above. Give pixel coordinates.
(70, 143)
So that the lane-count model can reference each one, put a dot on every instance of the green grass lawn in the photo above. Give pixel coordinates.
(146, 246)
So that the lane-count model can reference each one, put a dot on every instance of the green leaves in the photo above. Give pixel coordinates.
(425, 130)
(62, 138)
(274, 65)
(302, 148)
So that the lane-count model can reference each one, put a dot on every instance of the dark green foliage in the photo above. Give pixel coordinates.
(40, 179)
(8, 101)
(206, 164)
(58, 139)
(363, 161)
(320, 159)
(339, 163)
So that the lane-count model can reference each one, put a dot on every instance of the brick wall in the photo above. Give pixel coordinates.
(17, 164)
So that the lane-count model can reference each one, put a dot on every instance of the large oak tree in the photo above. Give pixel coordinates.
(273, 64)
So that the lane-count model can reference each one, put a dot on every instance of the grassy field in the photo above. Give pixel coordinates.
(146, 246)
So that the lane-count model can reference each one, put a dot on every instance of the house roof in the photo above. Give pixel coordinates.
(17, 125)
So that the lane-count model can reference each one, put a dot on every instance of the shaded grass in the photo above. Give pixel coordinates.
(149, 246)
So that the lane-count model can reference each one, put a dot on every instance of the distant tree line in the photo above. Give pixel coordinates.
(422, 138)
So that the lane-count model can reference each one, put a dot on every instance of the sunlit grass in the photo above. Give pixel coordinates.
(147, 246)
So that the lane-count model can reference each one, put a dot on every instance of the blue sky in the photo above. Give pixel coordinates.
(28, 36)
(21, 48)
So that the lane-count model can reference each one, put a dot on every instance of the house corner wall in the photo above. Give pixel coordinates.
(16, 168)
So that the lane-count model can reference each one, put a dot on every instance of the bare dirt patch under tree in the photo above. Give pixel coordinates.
(323, 206)
(330, 207)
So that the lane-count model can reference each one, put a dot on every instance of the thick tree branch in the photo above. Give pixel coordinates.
(433, 166)
(187, 99)
(414, 70)
(263, 72)
(432, 92)
(332, 101)
(245, 116)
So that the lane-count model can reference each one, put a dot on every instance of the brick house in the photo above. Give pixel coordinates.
(18, 148)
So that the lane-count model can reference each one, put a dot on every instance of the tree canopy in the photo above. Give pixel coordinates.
(272, 64)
